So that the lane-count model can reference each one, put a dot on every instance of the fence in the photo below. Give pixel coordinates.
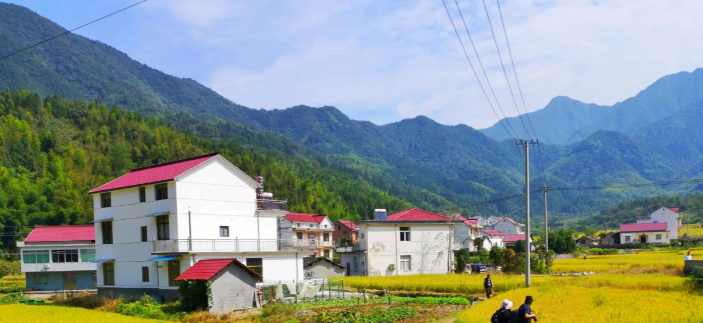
(302, 291)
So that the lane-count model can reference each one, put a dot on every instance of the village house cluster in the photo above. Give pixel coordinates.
(660, 226)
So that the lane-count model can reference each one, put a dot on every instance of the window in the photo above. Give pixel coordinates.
(107, 231)
(105, 200)
(627, 238)
(659, 236)
(298, 225)
(405, 263)
(142, 194)
(405, 234)
(87, 255)
(300, 235)
(256, 264)
(224, 231)
(41, 279)
(362, 236)
(339, 227)
(327, 253)
(162, 227)
(325, 237)
(161, 191)
(325, 226)
(145, 238)
(109, 273)
(145, 274)
(356, 263)
(35, 256)
(60, 256)
(174, 269)
(311, 225)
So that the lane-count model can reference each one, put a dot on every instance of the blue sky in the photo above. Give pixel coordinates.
(387, 60)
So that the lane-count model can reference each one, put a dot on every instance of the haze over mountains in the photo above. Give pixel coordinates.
(654, 136)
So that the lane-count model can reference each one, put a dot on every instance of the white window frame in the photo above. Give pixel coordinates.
(628, 238)
(405, 263)
(404, 233)
(659, 236)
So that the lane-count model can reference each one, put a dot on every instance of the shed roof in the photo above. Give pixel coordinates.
(417, 215)
(63, 233)
(514, 238)
(643, 227)
(492, 233)
(309, 261)
(206, 269)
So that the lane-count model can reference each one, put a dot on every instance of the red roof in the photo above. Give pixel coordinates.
(510, 220)
(492, 233)
(673, 208)
(471, 222)
(62, 233)
(417, 215)
(303, 217)
(349, 224)
(206, 269)
(643, 227)
(458, 216)
(154, 173)
(514, 237)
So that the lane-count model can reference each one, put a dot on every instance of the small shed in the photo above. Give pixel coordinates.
(233, 284)
(587, 241)
(321, 267)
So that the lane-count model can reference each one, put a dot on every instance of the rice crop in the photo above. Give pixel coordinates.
(665, 261)
(694, 230)
(50, 314)
(574, 304)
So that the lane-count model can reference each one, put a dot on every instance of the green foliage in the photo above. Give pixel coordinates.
(353, 315)
(145, 307)
(603, 251)
(520, 246)
(9, 267)
(696, 280)
(12, 298)
(195, 295)
(461, 259)
(562, 241)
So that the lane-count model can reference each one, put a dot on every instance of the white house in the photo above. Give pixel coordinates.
(155, 222)
(654, 233)
(59, 258)
(407, 243)
(467, 232)
(507, 226)
(493, 238)
(316, 229)
(668, 215)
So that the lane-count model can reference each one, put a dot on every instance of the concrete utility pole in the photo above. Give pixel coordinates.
(546, 219)
(528, 244)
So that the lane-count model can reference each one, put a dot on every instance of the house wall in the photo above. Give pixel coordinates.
(232, 288)
(428, 248)
(84, 280)
(276, 267)
(58, 267)
(493, 241)
(290, 230)
(342, 231)
(356, 262)
(669, 217)
(324, 269)
(462, 234)
(651, 237)
(506, 227)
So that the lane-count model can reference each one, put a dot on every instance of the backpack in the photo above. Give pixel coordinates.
(514, 316)
(494, 318)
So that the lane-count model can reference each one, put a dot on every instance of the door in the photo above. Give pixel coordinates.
(348, 270)
(70, 282)
(95, 281)
(643, 238)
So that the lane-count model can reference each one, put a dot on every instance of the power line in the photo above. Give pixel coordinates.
(484, 71)
(500, 57)
(69, 31)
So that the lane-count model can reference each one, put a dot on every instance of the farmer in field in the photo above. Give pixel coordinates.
(688, 256)
(525, 311)
(502, 315)
(488, 285)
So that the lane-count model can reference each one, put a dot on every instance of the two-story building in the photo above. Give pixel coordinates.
(406, 243)
(155, 222)
(467, 233)
(345, 231)
(313, 229)
(507, 226)
(668, 215)
(59, 258)
(493, 238)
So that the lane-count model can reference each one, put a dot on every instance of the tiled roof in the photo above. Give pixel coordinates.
(303, 217)
(514, 237)
(62, 233)
(154, 174)
(673, 208)
(458, 216)
(349, 224)
(471, 222)
(309, 261)
(510, 220)
(492, 233)
(206, 269)
(643, 227)
(417, 215)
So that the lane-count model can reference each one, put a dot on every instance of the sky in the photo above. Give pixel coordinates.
(384, 61)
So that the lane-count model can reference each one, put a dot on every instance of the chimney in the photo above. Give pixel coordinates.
(380, 214)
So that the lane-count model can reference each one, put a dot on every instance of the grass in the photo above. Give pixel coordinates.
(574, 304)
(50, 314)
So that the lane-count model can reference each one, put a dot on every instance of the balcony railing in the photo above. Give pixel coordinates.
(232, 245)
(272, 205)
(356, 248)
(319, 243)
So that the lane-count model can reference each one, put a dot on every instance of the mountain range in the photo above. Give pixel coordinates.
(653, 136)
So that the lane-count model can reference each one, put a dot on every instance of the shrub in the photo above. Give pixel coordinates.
(145, 307)
(80, 299)
(195, 295)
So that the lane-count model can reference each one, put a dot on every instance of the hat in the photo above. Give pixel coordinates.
(528, 299)
(507, 304)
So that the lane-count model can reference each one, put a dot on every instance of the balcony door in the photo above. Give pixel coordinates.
(311, 236)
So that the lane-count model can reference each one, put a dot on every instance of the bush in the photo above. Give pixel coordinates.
(195, 295)
(462, 257)
(9, 267)
(146, 307)
(606, 251)
(12, 298)
(80, 299)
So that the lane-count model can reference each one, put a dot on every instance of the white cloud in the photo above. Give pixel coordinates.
(403, 58)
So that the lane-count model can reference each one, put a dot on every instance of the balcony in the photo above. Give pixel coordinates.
(271, 205)
(312, 242)
(232, 245)
(356, 248)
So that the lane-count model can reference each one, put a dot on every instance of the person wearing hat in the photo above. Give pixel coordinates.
(525, 311)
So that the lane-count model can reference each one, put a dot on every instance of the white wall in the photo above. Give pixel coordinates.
(351, 259)
(671, 219)
(275, 266)
(651, 237)
(506, 227)
(462, 233)
(57, 267)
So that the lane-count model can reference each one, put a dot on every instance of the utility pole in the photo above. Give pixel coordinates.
(546, 219)
(528, 244)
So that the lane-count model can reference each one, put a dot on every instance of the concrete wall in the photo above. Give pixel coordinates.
(232, 288)
(693, 267)
(462, 233)
(428, 248)
(161, 295)
(84, 280)
(324, 269)
(506, 227)
(275, 266)
(356, 263)
(651, 237)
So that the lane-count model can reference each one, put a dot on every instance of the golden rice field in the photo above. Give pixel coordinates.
(573, 304)
(649, 261)
(50, 314)
(695, 229)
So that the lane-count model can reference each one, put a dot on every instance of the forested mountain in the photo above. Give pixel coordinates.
(565, 120)
(354, 165)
